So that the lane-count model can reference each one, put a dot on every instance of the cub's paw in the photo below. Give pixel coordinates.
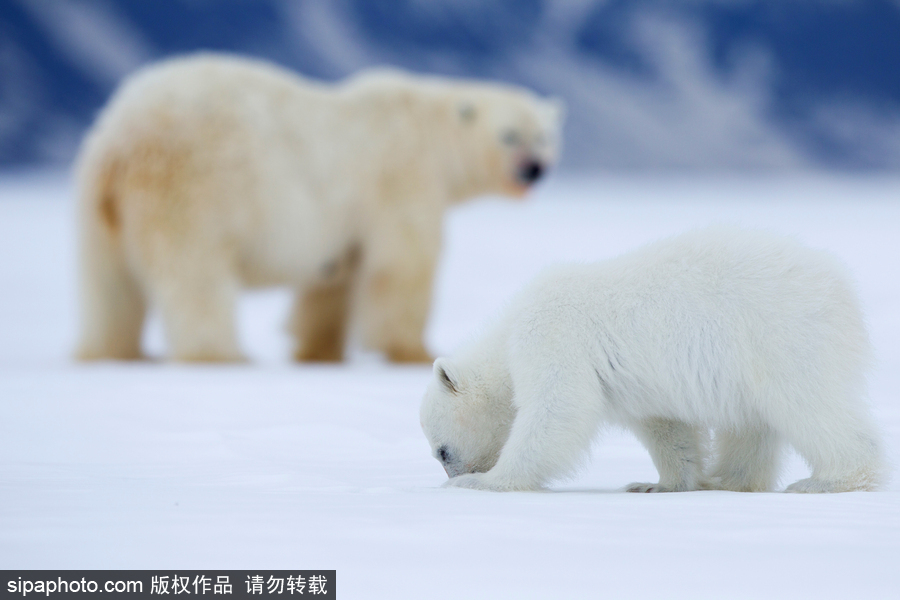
(471, 481)
(647, 488)
(813, 486)
(863, 480)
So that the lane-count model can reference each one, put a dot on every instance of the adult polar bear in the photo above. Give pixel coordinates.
(209, 173)
(746, 333)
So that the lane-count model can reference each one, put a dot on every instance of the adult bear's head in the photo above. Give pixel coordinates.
(507, 137)
(466, 138)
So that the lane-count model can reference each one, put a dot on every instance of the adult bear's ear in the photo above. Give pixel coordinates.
(558, 109)
(443, 372)
(467, 111)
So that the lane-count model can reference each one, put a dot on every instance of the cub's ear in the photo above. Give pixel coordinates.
(467, 112)
(443, 372)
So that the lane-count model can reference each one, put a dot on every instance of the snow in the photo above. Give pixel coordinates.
(272, 465)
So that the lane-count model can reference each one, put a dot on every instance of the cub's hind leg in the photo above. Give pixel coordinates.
(843, 450)
(678, 452)
(747, 459)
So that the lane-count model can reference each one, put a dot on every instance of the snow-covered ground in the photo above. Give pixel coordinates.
(278, 466)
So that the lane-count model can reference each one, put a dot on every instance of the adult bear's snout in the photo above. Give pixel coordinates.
(530, 172)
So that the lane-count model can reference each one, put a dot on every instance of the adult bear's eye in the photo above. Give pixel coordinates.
(443, 454)
(511, 137)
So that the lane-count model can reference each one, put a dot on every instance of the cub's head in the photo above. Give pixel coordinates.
(465, 425)
(509, 138)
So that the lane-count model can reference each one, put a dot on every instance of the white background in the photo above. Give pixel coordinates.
(272, 465)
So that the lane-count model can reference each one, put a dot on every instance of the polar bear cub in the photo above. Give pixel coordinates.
(209, 174)
(746, 334)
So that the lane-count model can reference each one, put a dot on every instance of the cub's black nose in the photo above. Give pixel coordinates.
(530, 172)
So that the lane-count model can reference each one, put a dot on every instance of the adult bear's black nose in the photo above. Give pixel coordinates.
(530, 172)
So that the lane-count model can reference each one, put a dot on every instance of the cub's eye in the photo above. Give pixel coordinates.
(443, 454)
(511, 137)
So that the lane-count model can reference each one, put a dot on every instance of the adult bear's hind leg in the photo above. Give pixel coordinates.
(112, 304)
(198, 301)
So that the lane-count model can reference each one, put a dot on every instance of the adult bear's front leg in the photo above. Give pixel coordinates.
(396, 287)
(319, 323)
(394, 307)
(321, 311)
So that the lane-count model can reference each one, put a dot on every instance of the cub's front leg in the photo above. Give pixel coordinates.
(558, 413)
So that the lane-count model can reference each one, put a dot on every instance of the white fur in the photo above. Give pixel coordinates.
(750, 335)
(208, 174)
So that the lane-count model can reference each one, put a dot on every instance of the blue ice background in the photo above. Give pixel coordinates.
(691, 84)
